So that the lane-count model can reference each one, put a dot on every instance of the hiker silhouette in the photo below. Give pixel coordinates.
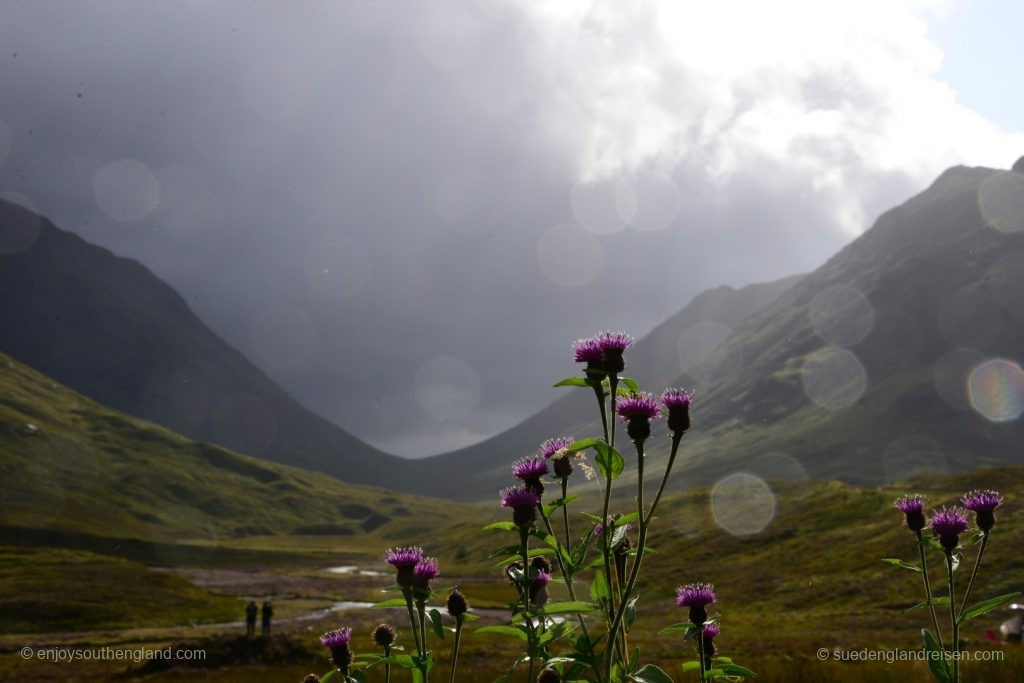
(267, 613)
(250, 619)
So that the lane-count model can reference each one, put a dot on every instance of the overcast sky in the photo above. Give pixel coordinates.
(405, 211)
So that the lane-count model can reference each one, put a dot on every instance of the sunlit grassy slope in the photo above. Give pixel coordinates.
(70, 467)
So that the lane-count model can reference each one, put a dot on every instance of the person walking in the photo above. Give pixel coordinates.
(250, 619)
(267, 613)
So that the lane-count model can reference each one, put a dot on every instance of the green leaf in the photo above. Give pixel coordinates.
(555, 504)
(631, 383)
(937, 662)
(977, 609)
(583, 444)
(935, 602)
(572, 382)
(651, 674)
(501, 526)
(393, 602)
(629, 617)
(504, 631)
(404, 661)
(333, 675)
(684, 627)
(570, 606)
(436, 622)
(599, 588)
(609, 461)
(896, 562)
(731, 669)
(692, 665)
(623, 520)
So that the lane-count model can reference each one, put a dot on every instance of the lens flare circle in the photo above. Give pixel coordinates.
(834, 378)
(996, 390)
(742, 504)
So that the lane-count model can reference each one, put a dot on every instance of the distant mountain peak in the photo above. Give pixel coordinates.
(1018, 166)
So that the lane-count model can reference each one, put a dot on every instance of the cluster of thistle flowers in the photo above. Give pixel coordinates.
(413, 574)
(601, 655)
(947, 525)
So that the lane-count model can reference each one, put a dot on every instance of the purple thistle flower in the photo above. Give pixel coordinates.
(337, 642)
(614, 341)
(677, 402)
(948, 524)
(637, 411)
(552, 446)
(588, 351)
(912, 507)
(696, 596)
(424, 571)
(427, 569)
(707, 637)
(408, 556)
(612, 345)
(404, 560)
(336, 637)
(640, 406)
(699, 594)
(523, 501)
(983, 505)
(555, 450)
(530, 470)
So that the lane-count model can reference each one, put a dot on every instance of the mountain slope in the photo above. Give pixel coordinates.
(108, 328)
(682, 340)
(883, 337)
(71, 466)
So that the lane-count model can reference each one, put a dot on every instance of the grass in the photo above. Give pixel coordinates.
(95, 501)
(44, 590)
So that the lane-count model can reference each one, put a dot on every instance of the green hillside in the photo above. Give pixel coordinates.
(72, 468)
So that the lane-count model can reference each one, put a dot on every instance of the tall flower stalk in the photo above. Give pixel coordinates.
(947, 525)
(605, 658)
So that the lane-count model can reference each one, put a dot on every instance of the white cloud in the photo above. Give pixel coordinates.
(834, 90)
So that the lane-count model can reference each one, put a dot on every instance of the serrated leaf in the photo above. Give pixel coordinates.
(651, 674)
(977, 609)
(504, 631)
(572, 382)
(934, 602)
(896, 562)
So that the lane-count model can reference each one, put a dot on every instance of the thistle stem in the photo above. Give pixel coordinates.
(613, 390)
(455, 647)
(955, 644)
(412, 621)
(565, 512)
(561, 566)
(422, 609)
(974, 574)
(524, 538)
(700, 651)
(387, 665)
(928, 591)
